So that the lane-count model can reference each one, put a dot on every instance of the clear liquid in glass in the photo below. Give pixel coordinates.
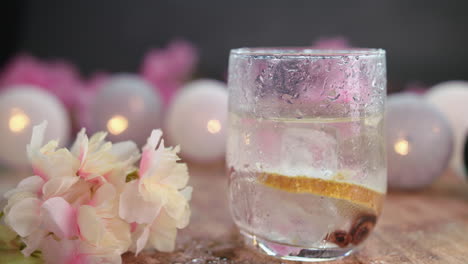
(306, 183)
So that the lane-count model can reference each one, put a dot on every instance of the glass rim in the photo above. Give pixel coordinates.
(305, 52)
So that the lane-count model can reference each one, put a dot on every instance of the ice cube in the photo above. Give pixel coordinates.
(293, 218)
(306, 148)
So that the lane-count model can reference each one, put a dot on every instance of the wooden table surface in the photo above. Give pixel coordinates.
(429, 226)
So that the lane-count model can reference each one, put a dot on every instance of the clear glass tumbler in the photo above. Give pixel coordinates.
(306, 150)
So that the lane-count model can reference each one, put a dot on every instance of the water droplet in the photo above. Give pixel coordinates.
(328, 67)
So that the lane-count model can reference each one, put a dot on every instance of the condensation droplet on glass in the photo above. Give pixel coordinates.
(328, 66)
(334, 98)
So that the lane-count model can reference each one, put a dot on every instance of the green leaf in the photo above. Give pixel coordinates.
(16, 257)
(8, 238)
(132, 176)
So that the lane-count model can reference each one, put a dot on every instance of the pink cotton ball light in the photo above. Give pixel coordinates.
(127, 107)
(197, 120)
(57, 77)
(85, 98)
(451, 98)
(419, 142)
(22, 107)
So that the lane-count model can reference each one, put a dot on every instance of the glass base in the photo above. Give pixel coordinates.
(294, 253)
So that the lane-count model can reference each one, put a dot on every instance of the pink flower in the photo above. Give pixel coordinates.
(167, 68)
(82, 207)
(331, 43)
(58, 77)
(416, 87)
(158, 200)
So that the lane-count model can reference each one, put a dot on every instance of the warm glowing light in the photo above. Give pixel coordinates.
(402, 147)
(18, 121)
(117, 124)
(213, 126)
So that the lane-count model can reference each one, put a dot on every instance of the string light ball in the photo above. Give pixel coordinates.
(451, 98)
(197, 119)
(22, 107)
(419, 142)
(127, 107)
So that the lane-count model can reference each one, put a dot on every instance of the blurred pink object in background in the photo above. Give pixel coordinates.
(57, 77)
(331, 43)
(416, 88)
(168, 68)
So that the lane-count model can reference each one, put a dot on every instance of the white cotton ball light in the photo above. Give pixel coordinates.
(127, 107)
(21, 108)
(451, 98)
(419, 142)
(197, 120)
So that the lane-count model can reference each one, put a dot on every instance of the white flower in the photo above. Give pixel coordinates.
(99, 159)
(100, 224)
(158, 200)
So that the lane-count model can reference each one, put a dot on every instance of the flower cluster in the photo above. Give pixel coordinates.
(90, 204)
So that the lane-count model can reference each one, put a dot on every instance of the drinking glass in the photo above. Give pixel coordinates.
(306, 151)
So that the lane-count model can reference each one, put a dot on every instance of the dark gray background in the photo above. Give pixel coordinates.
(425, 40)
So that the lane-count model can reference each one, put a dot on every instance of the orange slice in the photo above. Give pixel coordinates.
(329, 188)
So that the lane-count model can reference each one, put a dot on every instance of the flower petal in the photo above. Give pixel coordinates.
(187, 192)
(59, 217)
(178, 176)
(32, 184)
(90, 225)
(15, 198)
(33, 241)
(176, 204)
(58, 186)
(79, 194)
(142, 240)
(58, 252)
(118, 176)
(24, 217)
(126, 150)
(79, 148)
(133, 208)
(117, 237)
(104, 197)
(163, 233)
(184, 219)
(61, 163)
(106, 233)
(36, 139)
(147, 156)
